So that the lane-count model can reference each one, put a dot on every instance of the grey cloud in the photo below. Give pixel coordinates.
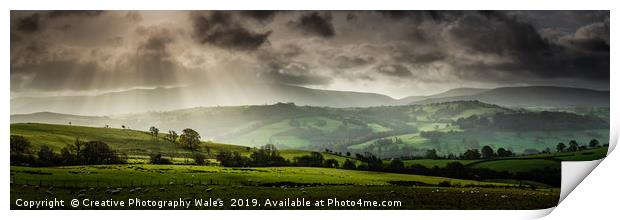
(496, 33)
(295, 73)
(219, 29)
(154, 61)
(345, 62)
(53, 74)
(316, 24)
(29, 24)
(285, 64)
(489, 48)
(529, 53)
(420, 16)
(395, 70)
(150, 64)
(593, 37)
(67, 13)
(351, 16)
(417, 57)
(261, 15)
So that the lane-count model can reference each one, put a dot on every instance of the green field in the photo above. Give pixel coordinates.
(123, 140)
(509, 165)
(439, 163)
(516, 165)
(519, 163)
(170, 182)
(585, 155)
(121, 174)
(138, 145)
(190, 181)
(516, 141)
(407, 197)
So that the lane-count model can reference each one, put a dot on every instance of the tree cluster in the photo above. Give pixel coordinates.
(78, 153)
(531, 121)
(574, 146)
(268, 156)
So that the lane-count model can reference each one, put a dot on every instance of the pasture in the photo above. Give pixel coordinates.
(146, 174)
(173, 182)
(138, 145)
(459, 141)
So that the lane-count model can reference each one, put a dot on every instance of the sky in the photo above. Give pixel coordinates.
(396, 53)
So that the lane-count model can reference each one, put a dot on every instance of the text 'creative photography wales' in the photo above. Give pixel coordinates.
(410, 110)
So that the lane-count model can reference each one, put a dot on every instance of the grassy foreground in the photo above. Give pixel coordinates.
(173, 182)
(126, 175)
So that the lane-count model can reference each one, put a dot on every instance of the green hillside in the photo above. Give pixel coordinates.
(123, 140)
(462, 125)
(138, 145)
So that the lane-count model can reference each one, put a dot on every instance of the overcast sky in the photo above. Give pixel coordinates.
(397, 53)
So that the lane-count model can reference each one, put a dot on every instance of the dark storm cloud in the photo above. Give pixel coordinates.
(29, 24)
(33, 22)
(261, 15)
(496, 33)
(286, 64)
(420, 16)
(596, 45)
(593, 37)
(316, 24)
(82, 50)
(150, 63)
(67, 13)
(351, 16)
(397, 14)
(220, 29)
(529, 54)
(49, 75)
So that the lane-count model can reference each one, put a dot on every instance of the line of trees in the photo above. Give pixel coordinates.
(487, 152)
(549, 176)
(269, 156)
(574, 146)
(77, 153)
(531, 121)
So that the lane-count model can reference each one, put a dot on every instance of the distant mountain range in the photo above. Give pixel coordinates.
(531, 96)
(449, 93)
(165, 99)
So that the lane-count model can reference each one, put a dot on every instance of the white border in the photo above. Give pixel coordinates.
(307, 5)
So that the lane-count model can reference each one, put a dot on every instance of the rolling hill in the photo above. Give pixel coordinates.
(165, 99)
(533, 96)
(449, 93)
(137, 145)
(449, 127)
